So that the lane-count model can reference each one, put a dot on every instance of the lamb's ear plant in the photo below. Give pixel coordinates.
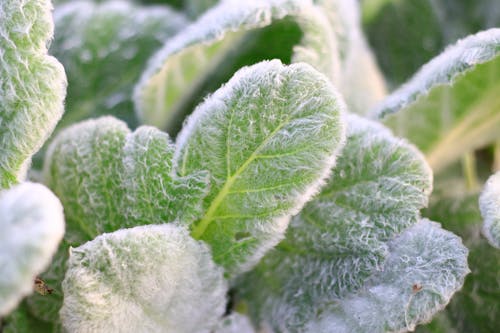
(265, 205)
(32, 89)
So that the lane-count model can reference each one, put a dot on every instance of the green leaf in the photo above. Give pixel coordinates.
(231, 35)
(450, 106)
(419, 30)
(32, 85)
(339, 241)
(360, 80)
(426, 266)
(104, 49)
(475, 307)
(109, 178)
(144, 279)
(489, 201)
(21, 321)
(32, 224)
(268, 138)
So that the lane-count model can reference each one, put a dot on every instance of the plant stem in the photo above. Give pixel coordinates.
(470, 171)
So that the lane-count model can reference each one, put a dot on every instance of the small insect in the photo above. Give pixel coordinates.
(42, 288)
(416, 288)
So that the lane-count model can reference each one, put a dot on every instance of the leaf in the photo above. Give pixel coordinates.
(20, 321)
(419, 30)
(109, 178)
(475, 307)
(144, 279)
(427, 265)
(360, 80)
(104, 48)
(32, 225)
(450, 106)
(231, 35)
(340, 239)
(489, 202)
(33, 85)
(268, 138)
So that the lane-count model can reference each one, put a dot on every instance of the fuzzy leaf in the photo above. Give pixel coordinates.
(475, 307)
(32, 85)
(109, 178)
(426, 266)
(32, 224)
(490, 209)
(104, 48)
(144, 279)
(231, 35)
(450, 106)
(340, 238)
(268, 138)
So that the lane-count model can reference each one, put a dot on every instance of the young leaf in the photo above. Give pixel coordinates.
(109, 178)
(231, 35)
(268, 138)
(32, 85)
(426, 266)
(340, 238)
(489, 201)
(144, 279)
(104, 48)
(450, 106)
(32, 224)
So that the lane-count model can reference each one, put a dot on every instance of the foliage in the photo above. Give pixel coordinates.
(229, 166)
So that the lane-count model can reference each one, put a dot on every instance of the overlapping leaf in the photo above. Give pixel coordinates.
(490, 209)
(344, 245)
(32, 224)
(32, 85)
(450, 106)
(109, 178)
(475, 307)
(267, 138)
(104, 49)
(231, 35)
(144, 279)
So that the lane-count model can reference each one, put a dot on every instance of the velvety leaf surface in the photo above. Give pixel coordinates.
(489, 202)
(475, 307)
(231, 35)
(268, 139)
(426, 266)
(145, 279)
(32, 224)
(419, 30)
(340, 238)
(104, 49)
(109, 178)
(32, 85)
(450, 106)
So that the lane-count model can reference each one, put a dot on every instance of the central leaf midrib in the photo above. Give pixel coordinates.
(203, 224)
